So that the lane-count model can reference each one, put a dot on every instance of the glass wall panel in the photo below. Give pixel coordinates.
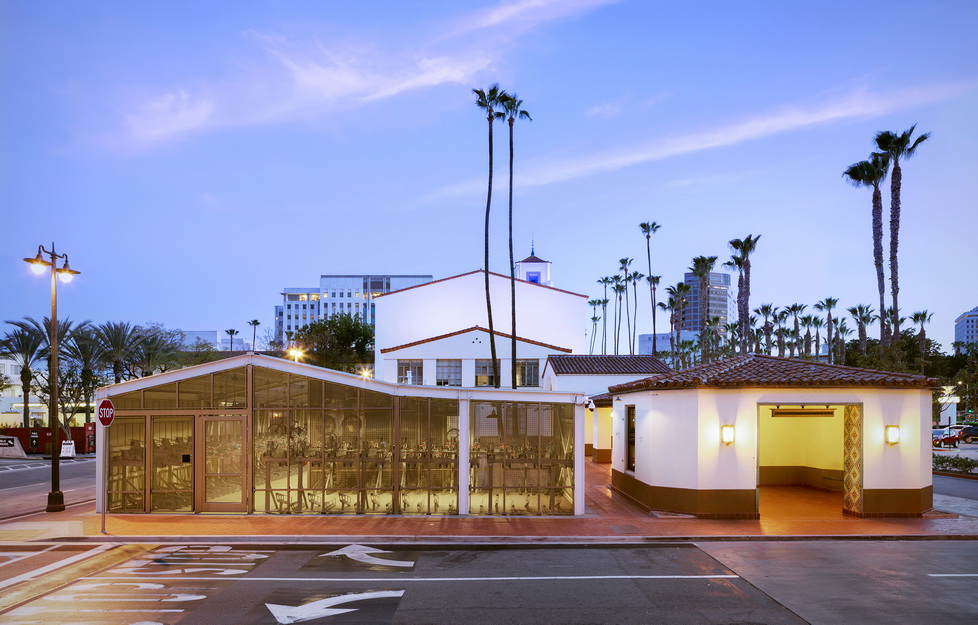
(340, 396)
(428, 453)
(230, 389)
(305, 392)
(373, 399)
(196, 392)
(223, 442)
(522, 458)
(127, 465)
(172, 467)
(270, 388)
(128, 401)
(161, 397)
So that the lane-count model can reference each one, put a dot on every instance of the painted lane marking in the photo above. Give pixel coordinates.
(952, 575)
(427, 579)
(286, 614)
(362, 553)
(17, 556)
(31, 610)
(55, 566)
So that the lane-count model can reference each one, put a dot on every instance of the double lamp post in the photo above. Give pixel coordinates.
(56, 499)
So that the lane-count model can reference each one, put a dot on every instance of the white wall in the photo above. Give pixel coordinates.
(678, 434)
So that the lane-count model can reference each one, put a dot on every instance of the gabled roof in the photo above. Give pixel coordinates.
(478, 271)
(753, 370)
(582, 364)
(473, 329)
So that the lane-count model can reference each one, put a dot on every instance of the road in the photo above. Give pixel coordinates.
(830, 582)
(24, 484)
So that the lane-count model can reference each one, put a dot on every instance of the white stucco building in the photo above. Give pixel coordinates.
(437, 333)
(704, 440)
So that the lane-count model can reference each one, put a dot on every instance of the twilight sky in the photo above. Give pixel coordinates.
(195, 158)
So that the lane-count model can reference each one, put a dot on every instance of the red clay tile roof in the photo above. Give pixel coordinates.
(582, 364)
(754, 370)
(533, 259)
(472, 329)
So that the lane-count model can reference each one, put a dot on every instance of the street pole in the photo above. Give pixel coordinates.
(56, 499)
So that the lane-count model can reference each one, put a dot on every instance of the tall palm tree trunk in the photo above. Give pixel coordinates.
(512, 261)
(878, 261)
(492, 331)
(896, 177)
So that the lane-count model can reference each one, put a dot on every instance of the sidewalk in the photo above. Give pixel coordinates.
(789, 514)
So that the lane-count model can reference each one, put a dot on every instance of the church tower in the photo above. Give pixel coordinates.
(533, 269)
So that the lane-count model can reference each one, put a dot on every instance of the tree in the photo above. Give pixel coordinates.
(737, 262)
(86, 353)
(119, 341)
(648, 229)
(158, 352)
(24, 348)
(817, 324)
(340, 342)
(806, 323)
(654, 286)
(491, 99)
(702, 267)
(745, 247)
(863, 315)
(795, 310)
(231, 333)
(897, 146)
(513, 107)
(594, 303)
(870, 173)
(618, 287)
(604, 314)
(254, 323)
(626, 277)
(827, 305)
(635, 278)
(920, 318)
(767, 311)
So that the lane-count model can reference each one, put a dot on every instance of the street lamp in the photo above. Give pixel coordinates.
(56, 499)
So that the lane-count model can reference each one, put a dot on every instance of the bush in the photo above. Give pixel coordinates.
(954, 464)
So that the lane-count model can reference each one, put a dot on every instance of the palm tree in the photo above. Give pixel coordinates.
(626, 278)
(767, 311)
(604, 315)
(745, 247)
(842, 331)
(737, 262)
(119, 340)
(618, 287)
(635, 278)
(897, 146)
(818, 323)
(863, 316)
(648, 229)
(254, 323)
(231, 334)
(513, 107)
(827, 305)
(870, 173)
(794, 310)
(780, 317)
(806, 323)
(594, 303)
(86, 352)
(653, 286)
(490, 100)
(702, 267)
(920, 318)
(24, 348)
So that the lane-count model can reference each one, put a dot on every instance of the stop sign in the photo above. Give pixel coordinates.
(106, 412)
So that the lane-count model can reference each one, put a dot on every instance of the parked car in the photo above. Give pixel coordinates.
(943, 437)
(969, 434)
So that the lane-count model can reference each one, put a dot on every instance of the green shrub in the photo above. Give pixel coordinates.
(954, 464)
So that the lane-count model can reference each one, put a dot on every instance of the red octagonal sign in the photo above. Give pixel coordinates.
(106, 412)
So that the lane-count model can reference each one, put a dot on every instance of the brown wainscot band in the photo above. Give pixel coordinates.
(895, 503)
(705, 504)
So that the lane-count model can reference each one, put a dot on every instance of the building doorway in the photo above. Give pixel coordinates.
(809, 461)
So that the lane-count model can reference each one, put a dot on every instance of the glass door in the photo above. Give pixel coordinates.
(222, 477)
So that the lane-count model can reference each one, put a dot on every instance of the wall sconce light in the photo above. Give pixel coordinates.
(726, 434)
(892, 434)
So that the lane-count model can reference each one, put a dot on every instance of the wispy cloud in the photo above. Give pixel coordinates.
(859, 103)
(294, 80)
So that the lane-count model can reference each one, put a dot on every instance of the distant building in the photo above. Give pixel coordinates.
(966, 328)
(217, 340)
(720, 302)
(337, 294)
(662, 340)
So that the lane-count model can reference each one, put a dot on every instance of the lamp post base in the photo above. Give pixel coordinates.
(56, 501)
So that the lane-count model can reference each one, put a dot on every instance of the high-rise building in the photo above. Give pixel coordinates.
(336, 294)
(966, 327)
(720, 304)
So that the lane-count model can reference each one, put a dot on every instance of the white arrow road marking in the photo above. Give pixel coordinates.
(362, 553)
(286, 614)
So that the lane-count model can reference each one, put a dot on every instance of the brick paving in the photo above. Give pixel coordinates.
(787, 513)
